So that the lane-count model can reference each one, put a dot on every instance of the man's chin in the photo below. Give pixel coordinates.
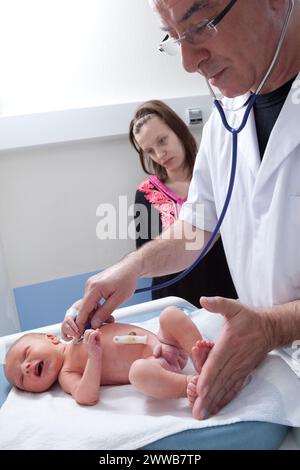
(227, 87)
(229, 93)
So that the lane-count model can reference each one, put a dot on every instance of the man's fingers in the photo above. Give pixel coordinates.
(214, 395)
(220, 391)
(74, 334)
(226, 307)
(87, 306)
(72, 328)
(214, 367)
(226, 399)
(214, 371)
(103, 312)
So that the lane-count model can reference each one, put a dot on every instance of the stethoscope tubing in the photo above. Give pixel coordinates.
(235, 132)
(216, 230)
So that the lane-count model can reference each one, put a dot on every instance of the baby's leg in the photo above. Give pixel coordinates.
(178, 329)
(149, 377)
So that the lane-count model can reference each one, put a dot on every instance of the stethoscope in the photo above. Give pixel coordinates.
(235, 132)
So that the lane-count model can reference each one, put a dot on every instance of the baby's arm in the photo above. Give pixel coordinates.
(85, 388)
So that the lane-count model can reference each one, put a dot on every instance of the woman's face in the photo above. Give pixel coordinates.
(161, 144)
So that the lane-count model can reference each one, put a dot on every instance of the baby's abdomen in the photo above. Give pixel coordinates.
(118, 358)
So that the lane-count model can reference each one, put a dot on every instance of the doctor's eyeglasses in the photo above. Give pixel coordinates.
(197, 34)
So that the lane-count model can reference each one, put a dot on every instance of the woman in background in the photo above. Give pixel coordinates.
(167, 152)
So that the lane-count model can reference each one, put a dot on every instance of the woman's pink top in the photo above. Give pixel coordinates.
(167, 203)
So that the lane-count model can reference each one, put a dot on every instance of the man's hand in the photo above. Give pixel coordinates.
(69, 329)
(113, 286)
(243, 343)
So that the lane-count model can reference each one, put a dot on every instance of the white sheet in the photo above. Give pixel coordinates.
(125, 419)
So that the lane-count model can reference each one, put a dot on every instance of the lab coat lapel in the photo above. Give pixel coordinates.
(284, 137)
(248, 149)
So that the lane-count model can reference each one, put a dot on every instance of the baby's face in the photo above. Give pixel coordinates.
(33, 364)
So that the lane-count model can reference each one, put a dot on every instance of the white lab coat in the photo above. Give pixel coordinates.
(261, 230)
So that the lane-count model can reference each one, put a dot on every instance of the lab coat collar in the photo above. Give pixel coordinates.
(248, 148)
(284, 137)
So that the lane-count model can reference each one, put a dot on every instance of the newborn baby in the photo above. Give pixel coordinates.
(37, 360)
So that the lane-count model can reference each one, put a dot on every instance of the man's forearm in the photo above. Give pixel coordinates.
(175, 250)
(283, 324)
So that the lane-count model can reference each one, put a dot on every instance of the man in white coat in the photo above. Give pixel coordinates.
(261, 230)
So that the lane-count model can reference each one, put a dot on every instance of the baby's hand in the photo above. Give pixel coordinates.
(69, 329)
(92, 342)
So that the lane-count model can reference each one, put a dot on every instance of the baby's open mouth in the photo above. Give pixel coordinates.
(39, 368)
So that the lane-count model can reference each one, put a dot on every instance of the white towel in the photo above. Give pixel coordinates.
(126, 419)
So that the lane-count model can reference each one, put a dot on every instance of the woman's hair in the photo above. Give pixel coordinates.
(157, 108)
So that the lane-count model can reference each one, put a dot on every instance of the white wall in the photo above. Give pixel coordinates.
(63, 54)
(49, 197)
(9, 319)
(48, 201)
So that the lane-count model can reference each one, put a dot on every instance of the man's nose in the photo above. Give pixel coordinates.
(193, 56)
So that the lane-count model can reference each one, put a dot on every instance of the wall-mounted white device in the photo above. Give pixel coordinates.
(194, 116)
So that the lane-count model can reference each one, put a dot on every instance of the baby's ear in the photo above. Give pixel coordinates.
(54, 339)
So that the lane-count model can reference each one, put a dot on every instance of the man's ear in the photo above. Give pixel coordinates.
(54, 339)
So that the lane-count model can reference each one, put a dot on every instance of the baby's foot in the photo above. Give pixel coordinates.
(200, 353)
(191, 391)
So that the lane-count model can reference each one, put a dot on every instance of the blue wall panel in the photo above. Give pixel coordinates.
(46, 303)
